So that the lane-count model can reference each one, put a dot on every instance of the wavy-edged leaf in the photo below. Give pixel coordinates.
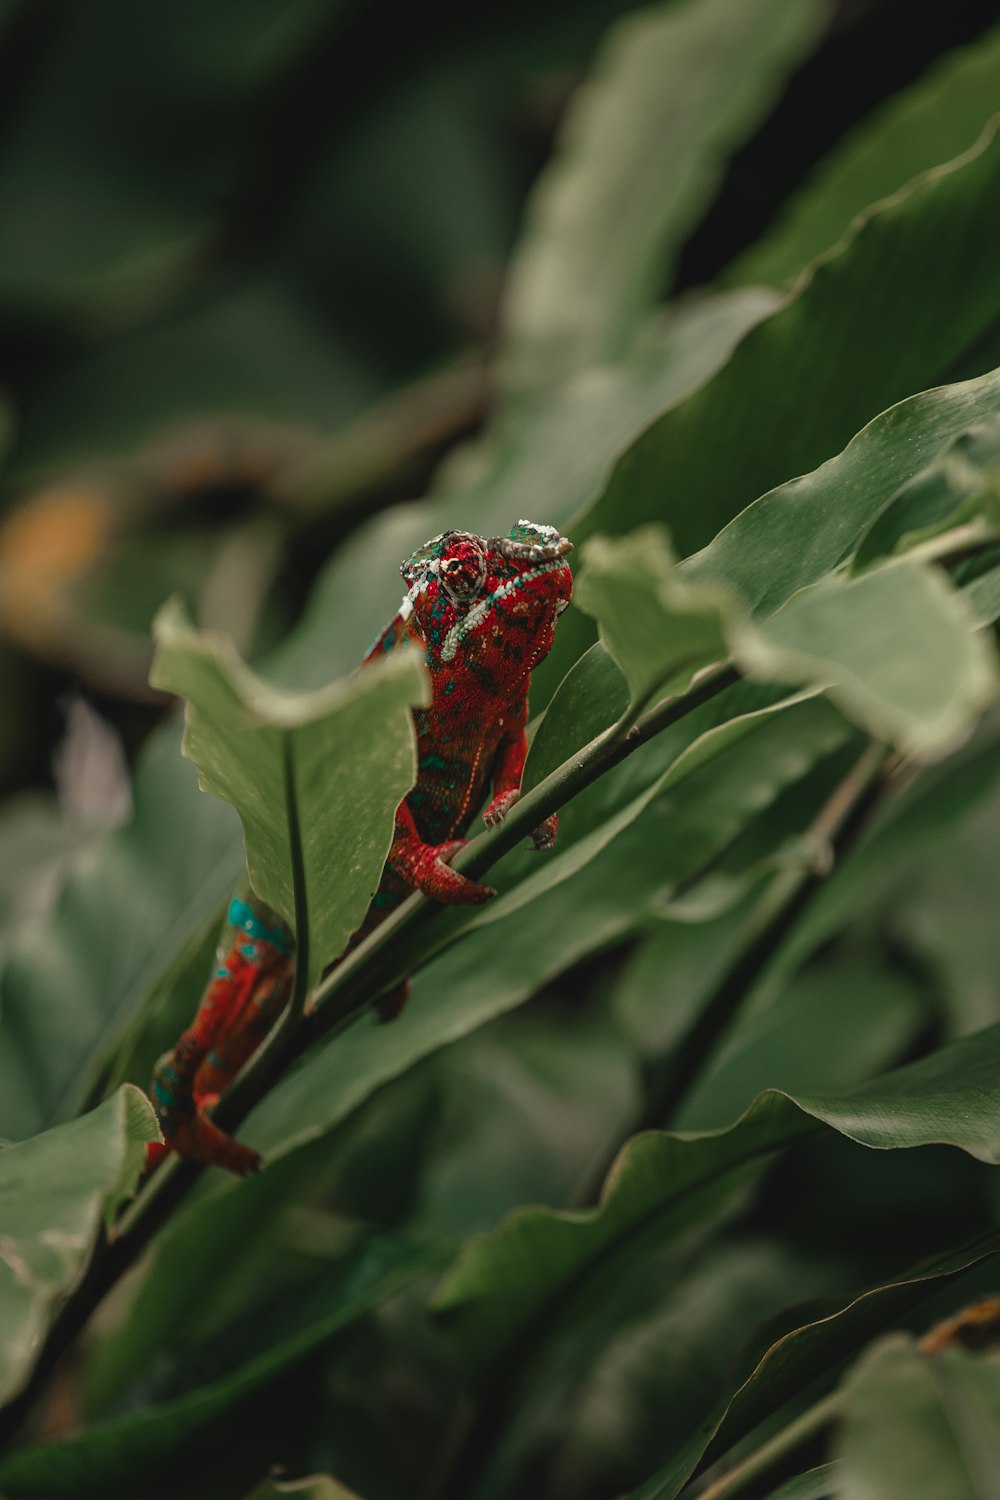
(316, 840)
(501, 1283)
(895, 647)
(962, 482)
(56, 1192)
(934, 120)
(845, 345)
(676, 88)
(920, 1427)
(796, 534)
(68, 994)
(114, 1458)
(656, 625)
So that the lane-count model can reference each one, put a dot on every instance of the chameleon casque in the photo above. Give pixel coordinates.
(483, 612)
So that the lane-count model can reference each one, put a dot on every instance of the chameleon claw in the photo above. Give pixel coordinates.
(544, 836)
(500, 807)
(390, 1007)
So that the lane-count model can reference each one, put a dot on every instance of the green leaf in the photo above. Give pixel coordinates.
(590, 698)
(117, 1457)
(316, 842)
(641, 153)
(832, 1025)
(56, 1192)
(70, 991)
(896, 648)
(959, 794)
(963, 481)
(502, 1283)
(779, 743)
(799, 532)
(658, 627)
(939, 116)
(800, 1354)
(920, 1427)
(822, 1483)
(638, 1362)
(844, 346)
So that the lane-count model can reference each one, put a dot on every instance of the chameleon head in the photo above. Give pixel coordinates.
(492, 600)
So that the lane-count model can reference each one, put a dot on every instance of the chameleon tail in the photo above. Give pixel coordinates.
(241, 1040)
(179, 1091)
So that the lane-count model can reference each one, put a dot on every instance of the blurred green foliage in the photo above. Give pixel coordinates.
(682, 1142)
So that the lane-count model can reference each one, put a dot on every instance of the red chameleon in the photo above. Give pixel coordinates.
(484, 614)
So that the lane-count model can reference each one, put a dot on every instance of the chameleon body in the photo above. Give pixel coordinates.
(483, 612)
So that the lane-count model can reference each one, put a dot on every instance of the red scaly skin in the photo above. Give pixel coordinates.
(484, 614)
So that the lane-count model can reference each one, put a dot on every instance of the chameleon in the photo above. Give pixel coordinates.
(483, 612)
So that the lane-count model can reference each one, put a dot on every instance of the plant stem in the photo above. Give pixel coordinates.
(803, 1427)
(365, 973)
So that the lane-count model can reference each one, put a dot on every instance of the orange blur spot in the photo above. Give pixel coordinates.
(46, 545)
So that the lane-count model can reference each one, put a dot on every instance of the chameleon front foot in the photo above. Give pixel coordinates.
(427, 868)
(543, 837)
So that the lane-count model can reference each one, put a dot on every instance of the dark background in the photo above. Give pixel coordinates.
(250, 275)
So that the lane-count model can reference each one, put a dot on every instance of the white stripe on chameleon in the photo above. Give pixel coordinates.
(477, 614)
(539, 526)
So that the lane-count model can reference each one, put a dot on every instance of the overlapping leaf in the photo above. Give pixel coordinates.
(843, 347)
(270, 753)
(656, 625)
(502, 1282)
(56, 1192)
(920, 1427)
(896, 648)
(798, 533)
